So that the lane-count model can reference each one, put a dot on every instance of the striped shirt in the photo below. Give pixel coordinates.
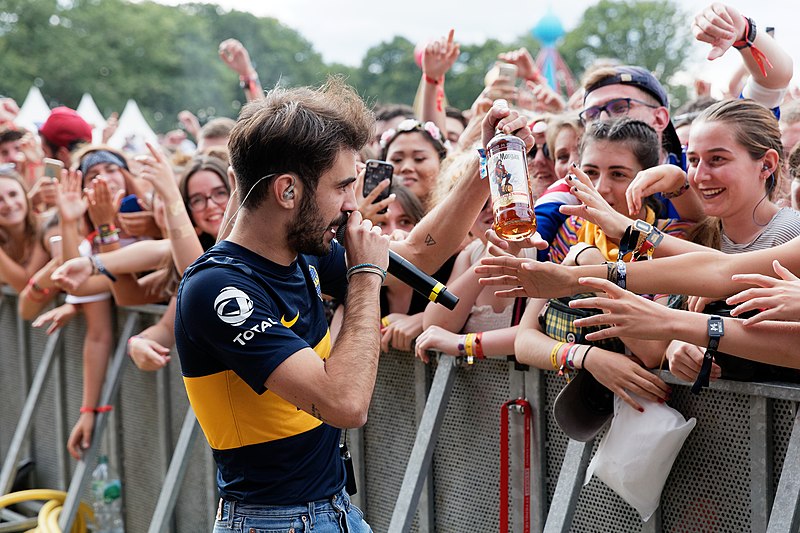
(783, 227)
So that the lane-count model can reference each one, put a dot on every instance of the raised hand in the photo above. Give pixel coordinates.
(777, 299)
(368, 209)
(720, 26)
(526, 68)
(111, 127)
(235, 56)
(190, 123)
(156, 170)
(594, 207)
(545, 98)
(102, 207)
(8, 110)
(439, 56)
(44, 191)
(501, 118)
(70, 200)
(662, 178)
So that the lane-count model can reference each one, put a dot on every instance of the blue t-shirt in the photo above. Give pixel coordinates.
(238, 317)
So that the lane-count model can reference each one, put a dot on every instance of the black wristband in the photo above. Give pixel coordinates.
(716, 330)
(749, 35)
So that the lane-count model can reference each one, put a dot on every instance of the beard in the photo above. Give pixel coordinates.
(308, 229)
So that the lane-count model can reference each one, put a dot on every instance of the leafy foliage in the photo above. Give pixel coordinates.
(166, 57)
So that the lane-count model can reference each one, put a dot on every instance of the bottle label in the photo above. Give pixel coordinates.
(508, 179)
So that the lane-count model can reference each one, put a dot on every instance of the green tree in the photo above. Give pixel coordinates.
(388, 73)
(651, 34)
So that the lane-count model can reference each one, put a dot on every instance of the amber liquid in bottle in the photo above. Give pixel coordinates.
(514, 219)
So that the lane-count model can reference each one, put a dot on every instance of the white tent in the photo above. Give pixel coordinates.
(87, 109)
(132, 131)
(34, 111)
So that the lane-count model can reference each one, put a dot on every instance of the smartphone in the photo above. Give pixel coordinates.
(55, 246)
(53, 168)
(508, 70)
(130, 204)
(377, 171)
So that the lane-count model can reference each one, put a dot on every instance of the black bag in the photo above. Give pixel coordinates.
(557, 321)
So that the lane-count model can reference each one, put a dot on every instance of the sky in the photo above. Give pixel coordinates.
(343, 30)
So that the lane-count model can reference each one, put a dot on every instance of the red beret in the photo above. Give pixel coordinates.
(64, 126)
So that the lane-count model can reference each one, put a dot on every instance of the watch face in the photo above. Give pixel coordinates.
(642, 226)
(716, 327)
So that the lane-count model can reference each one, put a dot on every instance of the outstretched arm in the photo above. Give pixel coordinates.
(698, 273)
(629, 315)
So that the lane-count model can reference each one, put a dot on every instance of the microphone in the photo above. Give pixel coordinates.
(415, 278)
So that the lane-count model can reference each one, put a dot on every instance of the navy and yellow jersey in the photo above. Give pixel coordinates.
(238, 317)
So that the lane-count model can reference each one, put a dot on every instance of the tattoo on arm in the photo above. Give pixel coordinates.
(315, 412)
(429, 240)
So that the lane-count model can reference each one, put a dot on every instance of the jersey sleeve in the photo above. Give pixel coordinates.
(332, 270)
(231, 323)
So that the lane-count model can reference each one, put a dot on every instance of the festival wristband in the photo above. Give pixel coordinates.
(716, 330)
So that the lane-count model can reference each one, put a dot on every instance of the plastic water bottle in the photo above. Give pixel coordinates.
(106, 498)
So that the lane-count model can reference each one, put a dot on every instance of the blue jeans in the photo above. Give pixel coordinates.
(336, 515)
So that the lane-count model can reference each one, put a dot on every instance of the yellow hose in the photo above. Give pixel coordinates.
(50, 511)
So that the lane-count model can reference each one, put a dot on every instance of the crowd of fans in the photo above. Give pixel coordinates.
(120, 228)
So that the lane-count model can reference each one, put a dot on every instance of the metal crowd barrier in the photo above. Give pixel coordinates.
(428, 459)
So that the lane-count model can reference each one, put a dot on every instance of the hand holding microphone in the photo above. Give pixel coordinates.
(412, 276)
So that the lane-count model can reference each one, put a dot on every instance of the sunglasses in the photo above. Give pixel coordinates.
(545, 150)
(614, 108)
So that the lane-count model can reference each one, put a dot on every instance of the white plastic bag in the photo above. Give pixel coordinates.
(637, 452)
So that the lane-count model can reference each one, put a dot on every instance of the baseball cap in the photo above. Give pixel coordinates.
(583, 407)
(64, 126)
(643, 79)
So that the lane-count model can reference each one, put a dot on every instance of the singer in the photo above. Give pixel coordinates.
(269, 389)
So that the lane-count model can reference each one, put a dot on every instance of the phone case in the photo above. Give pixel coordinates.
(377, 171)
(130, 204)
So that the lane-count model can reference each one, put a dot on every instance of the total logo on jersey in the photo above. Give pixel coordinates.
(233, 306)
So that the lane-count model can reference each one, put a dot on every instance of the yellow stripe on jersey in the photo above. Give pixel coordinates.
(232, 415)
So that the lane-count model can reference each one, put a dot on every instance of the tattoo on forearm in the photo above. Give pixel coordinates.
(315, 412)
(429, 240)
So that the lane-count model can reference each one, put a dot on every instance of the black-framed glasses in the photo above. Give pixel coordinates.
(545, 150)
(614, 108)
(219, 196)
